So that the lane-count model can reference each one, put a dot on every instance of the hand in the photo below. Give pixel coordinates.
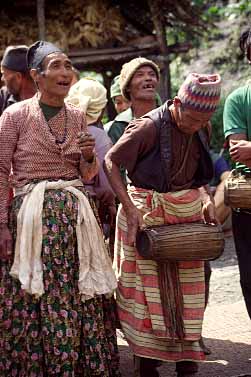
(209, 212)
(6, 244)
(86, 144)
(240, 150)
(134, 220)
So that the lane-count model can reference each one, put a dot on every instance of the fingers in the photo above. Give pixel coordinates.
(84, 136)
(132, 231)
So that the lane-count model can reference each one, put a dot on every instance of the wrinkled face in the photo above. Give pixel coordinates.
(190, 121)
(56, 76)
(12, 80)
(121, 104)
(143, 84)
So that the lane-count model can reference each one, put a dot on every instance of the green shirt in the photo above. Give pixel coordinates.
(237, 115)
(119, 125)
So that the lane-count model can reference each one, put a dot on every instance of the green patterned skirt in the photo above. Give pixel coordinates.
(57, 334)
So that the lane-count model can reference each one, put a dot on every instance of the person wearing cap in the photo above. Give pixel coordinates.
(121, 104)
(91, 97)
(57, 279)
(15, 75)
(166, 155)
(237, 130)
(138, 82)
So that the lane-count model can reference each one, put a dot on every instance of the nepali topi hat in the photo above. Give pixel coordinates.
(38, 51)
(200, 92)
(14, 58)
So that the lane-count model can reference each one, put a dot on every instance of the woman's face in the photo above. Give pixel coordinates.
(56, 76)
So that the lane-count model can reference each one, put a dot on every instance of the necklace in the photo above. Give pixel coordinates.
(57, 139)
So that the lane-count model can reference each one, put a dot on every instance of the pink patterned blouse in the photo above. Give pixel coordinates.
(29, 150)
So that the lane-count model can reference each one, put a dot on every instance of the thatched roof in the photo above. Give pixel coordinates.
(76, 25)
(101, 35)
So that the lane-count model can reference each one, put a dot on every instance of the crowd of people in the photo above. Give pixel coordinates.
(70, 186)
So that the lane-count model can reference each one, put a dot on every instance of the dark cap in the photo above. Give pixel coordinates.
(14, 58)
(38, 51)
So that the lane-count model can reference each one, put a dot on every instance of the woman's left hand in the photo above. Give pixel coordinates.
(86, 144)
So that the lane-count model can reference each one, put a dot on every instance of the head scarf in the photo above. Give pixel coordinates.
(115, 88)
(130, 68)
(14, 58)
(38, 51)
(200, 92)
(90, 96)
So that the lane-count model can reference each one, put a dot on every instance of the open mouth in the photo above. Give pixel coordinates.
(63, 83)
(148, 86)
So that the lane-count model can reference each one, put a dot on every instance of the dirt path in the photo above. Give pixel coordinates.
(226, 329)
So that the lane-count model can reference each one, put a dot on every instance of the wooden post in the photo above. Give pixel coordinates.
(41, 19)
(110, 109)
(159, 26)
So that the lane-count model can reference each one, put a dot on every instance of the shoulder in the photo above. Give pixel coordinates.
(121, 121)
(141, 127)
(74, 110)
(239, 94)
(18, 108)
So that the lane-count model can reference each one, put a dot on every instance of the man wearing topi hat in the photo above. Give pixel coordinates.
(15, 75)
(167, 158)
(138, 82)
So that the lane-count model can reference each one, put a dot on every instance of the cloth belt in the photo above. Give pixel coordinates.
(96, 275)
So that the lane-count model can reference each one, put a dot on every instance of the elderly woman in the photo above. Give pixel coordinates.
(91, 97)
(56, 275)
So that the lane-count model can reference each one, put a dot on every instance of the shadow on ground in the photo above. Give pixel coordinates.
(228, 359)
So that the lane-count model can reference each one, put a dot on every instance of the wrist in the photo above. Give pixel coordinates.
(90, 160)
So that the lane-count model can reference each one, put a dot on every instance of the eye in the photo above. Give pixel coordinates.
(55, 65)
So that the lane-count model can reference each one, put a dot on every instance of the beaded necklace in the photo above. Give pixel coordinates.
(48, 116)
(57, 140)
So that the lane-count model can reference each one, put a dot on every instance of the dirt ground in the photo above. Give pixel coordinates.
(226, 329)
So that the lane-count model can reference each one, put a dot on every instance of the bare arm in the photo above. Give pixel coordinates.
(208, 205)
(222, 211)
(240, 149)
(133, 215)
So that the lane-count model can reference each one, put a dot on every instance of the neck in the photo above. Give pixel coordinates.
(54, 101)
(27, 91)
(140, 108)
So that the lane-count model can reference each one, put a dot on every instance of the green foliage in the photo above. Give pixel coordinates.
(218, 139)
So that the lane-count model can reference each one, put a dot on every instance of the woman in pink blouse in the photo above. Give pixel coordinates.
(55, 274)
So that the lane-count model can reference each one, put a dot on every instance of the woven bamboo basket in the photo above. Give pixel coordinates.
(237, 190)
(190, 241)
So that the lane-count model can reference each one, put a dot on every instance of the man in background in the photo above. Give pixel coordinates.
(237, 130)
(138, 82)
(121, 104)
(15, 76)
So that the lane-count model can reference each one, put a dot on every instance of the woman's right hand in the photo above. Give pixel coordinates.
(6, 243)
(135, 221)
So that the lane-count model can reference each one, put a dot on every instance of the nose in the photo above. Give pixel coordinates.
(3, 79)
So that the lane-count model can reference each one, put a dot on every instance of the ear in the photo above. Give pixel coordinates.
(19, 76)
(34, 75)
(176, 102)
